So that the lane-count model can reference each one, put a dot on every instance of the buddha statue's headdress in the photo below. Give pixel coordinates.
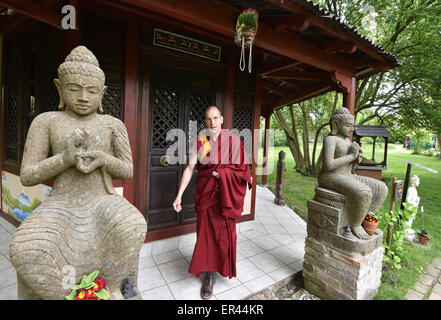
(81, 61)
(339, 115)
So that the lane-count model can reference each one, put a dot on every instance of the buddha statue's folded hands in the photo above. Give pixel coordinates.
(74, 143)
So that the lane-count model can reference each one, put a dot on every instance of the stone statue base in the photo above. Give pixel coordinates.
(326, 223)
(337, 264)
(331, 274)
(410, 236)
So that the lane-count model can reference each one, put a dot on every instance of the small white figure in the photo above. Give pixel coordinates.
(412, 198)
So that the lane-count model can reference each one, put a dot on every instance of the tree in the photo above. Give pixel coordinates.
(314, 115)
(408, 96)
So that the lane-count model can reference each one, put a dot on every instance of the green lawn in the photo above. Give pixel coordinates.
(298, 189)
(395, 283)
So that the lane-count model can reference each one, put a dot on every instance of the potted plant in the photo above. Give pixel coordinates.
(370, 223)
(423, 236)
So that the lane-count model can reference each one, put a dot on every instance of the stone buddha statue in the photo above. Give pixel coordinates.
(362, 194)
(83, 225)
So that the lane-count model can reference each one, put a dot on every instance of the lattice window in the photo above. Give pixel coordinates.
(113, 101)
(165, 103)
(49, 98)
(198, 104)
(243, 119)
(11, 121)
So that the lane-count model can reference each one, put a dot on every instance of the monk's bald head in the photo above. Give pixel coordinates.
(213, 119)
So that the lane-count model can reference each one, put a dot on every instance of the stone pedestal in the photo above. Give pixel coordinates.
(337, 265)
(327, 223)
(334, 275)
(410, 233)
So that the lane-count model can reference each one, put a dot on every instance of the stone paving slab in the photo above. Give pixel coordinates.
(427, 280)
(437, 263)
(436, 292)
(421, 288)
(435, 296)
(413, 295)
(432, 270)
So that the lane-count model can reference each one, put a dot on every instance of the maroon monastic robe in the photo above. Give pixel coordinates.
(219, 203)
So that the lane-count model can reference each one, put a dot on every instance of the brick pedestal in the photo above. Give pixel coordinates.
(333, 275)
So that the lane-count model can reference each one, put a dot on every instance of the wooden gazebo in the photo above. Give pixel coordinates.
(300, 51)
(372, 167)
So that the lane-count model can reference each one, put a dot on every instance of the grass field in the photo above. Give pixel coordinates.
(395, 283)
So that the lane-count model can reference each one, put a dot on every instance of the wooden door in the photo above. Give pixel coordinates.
(176, 98)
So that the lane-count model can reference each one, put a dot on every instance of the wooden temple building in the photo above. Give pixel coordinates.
(165, 62)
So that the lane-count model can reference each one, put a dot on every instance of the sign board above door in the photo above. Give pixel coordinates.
(184, 44)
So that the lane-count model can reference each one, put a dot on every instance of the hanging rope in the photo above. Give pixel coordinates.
(242, 55)
(250, 58)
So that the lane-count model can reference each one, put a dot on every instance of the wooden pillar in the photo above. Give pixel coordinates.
(255, 152)
(131, 76)
(265, 148)
(349, 95)
(347, 85)
(229, 88)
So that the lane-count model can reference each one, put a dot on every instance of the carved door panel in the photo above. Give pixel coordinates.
(177, 97)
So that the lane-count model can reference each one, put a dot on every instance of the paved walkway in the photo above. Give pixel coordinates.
(270, 250)
(429, 283)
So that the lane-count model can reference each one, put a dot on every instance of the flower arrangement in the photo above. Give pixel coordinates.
(90, 288)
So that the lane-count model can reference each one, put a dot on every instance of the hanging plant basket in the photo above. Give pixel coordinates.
(246, 29)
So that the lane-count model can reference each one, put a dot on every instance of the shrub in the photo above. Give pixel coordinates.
(280, 138)
(397, 220)
(430, 152)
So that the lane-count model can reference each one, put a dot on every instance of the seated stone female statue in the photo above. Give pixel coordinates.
(84, 224)
(363, 194)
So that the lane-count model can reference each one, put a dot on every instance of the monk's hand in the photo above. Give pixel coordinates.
(177, 204)
(215, 174)
(88, 161)
(74, 142)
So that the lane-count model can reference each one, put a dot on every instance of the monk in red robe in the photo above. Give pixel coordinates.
(223, 176)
